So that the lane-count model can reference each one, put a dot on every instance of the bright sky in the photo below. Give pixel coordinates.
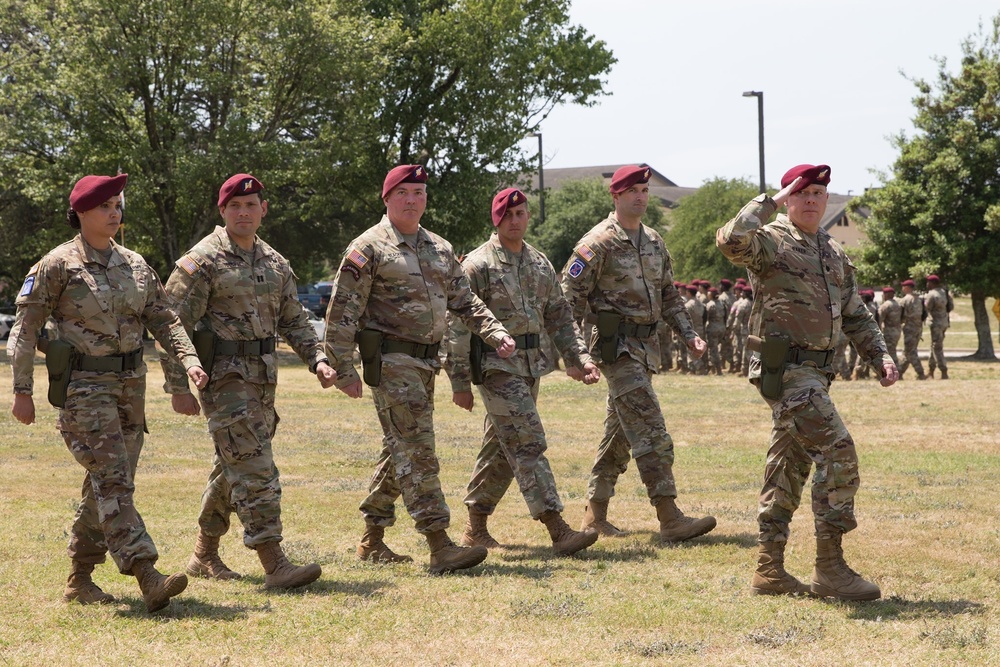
(830, 73)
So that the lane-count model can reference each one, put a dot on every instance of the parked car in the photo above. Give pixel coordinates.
(308, 297)
(324, 288)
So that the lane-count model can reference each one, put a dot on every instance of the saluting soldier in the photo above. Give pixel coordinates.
(939, 304)
(620, 278)
(520, 287)
(805, 294)
(913, 326)
(396, 283)
(890, 315)
(240, 293)
(100, 297)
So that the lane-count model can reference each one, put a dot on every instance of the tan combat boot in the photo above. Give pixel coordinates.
(596, 516)
(944, 373)
(930, 372)
(446, 556)
(205, 562)
(771, 577)
(374, 549)
(476, 534)
(675, 527)
(157, 589)
(279, 573)
(81, 587)
(832, 578)
(565, 540)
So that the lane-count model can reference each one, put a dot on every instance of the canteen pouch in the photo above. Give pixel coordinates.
(607, 335)
(59, 364)
(773, 353)
(204, 344)
(477, 352)
(370, 347)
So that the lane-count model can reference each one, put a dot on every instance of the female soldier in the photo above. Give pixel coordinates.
(100, 296)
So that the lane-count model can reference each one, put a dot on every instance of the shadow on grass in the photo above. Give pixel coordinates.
(188, 607)
(897, 608)
(742, 540)
(600, 551)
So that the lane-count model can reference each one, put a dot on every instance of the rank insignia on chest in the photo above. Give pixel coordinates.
(585, 252)
(357, 258)
(29, 284)
(188, 264)
(577, 267)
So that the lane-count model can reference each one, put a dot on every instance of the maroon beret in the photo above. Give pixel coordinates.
(712, 290)
(92, 191)
(908, 283)
(628, 176)
(741, 281)
(889, 289)
(705, 283)
(505, 199)
(726, 282)
(691, 288)
(678, 284)
(810, 173)
(933, 279)
(739, 287)
(404, 173)
(748, 293)
(237, 186)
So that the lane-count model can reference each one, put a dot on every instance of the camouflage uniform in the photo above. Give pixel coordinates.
(913, 325)
(861, 369)
(666, 348)
(403, 291)
(938, 301)
(738, 323)
(726, 300)
(240, 295)
(891, 320)
(696, 313)
(607, 273)
(715, 314)
(523, 292)
(101, 307)
(805, 291)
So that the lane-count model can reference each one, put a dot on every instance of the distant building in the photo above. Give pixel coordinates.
(838, 221)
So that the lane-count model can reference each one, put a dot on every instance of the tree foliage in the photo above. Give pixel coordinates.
(939, 211)
(693, 223)
(318, 98)
(572, 211)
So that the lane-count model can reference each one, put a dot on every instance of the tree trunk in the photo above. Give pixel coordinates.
(985, 350)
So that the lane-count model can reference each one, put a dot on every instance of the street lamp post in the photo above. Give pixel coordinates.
(541, 179)
(759, 94)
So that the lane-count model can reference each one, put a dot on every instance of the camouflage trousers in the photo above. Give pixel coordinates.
(937, 348)
(741, 359)
(666, 347)
(715, 339)
(891, 335)
(407, 465)
(513, 447)
(103, 423)
(807, 430)
(911, 338)
(634, 426)
(726, 350)
(244, 479)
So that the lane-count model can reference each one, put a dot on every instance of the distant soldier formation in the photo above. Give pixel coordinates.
(498, 320)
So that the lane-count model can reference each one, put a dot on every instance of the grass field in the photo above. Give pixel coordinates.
(929, 535)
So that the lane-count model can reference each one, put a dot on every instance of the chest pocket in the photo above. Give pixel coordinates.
(82, 290)
(267, 283)
(130, 285)
(233, 277)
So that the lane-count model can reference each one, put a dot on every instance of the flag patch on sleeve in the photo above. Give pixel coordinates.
(29, 284)
(188, 264)
(357, 258)
(576, 268)
(585, 252)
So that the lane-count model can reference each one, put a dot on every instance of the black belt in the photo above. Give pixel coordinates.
(115, 363)
(417, 350)
(245, 348)
(526, 341)
(629, 328)
(819, 357)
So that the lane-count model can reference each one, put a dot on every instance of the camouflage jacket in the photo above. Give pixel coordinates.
(937, 301)
(523, 292)
(99, 306)
(405, 292)
(804, 285)
(715, 316)
(239, 295)
(913, 312)
(873, 309)
(890, 314)
(607, 273)
(739, 316)
(698, 313)
(726, 300)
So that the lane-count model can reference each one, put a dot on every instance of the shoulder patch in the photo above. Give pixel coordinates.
(357, 258)
(29, 284)
(576, 268)
(585, 252)
(353, 270)
(189, 264)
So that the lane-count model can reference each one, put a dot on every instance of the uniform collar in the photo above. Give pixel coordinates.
(92, 256)
(394, 235)
(623, 233)
(782, 218)
(504, 255)
(227, 242)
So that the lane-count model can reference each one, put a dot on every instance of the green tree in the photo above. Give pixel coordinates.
(939, 211)
(572, 211)
(692, 225)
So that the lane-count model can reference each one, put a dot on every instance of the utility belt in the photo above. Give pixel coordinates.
(611, 327)
(625, 328)
(775, 354)
(372, 344)
(416, 350)
(246, 348)
(528, 341)
(477, 352)
(114, 363)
